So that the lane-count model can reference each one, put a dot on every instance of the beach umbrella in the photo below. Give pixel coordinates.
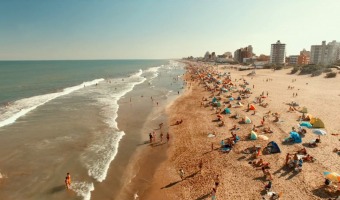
(319, 132)
(219, 116)
(296, 137)
(332, 176)
(304, 110)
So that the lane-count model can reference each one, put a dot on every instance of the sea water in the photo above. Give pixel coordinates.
(61, 116)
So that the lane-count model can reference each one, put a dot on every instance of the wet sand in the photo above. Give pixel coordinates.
(238, 179)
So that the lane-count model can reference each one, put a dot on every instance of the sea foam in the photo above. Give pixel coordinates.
(19, 108)
(105, 147)
(82, 189)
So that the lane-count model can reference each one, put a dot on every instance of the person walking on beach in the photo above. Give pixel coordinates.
(200, 165)
(67, 183)
(150, 136)
(217, 181)
(182, 174)
(161, 136)
(213, 194)
(167, 137)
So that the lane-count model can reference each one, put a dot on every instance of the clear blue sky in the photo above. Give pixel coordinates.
(108, 29)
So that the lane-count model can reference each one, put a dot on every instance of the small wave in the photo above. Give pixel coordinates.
(2, 176)
(154, 71)
(82, 189)
(19, 108)
(104, 149)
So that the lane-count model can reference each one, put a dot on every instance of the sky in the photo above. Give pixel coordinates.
(160, 29)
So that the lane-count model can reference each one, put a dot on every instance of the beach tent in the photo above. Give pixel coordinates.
(214, 100)
(253, 135)
(227, 111)
(231, 99)
(273, 147)
(247, 120)
(318, 123)
(306, 124)
(296, 137)
(252, 107)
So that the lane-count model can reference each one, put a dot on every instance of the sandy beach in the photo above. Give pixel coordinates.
(237, 178)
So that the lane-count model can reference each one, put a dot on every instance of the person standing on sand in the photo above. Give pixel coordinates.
(150, 136)
(213, 194)
(167, 137)
(161, 135)
(67, 183)
(217, 181)
(181, 174)
(200, 165)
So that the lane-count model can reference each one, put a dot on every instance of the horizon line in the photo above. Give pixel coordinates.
(102, 59)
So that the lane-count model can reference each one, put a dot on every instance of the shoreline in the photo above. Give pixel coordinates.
(240, 181)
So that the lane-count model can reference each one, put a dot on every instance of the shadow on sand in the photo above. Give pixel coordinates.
(326, 192)
(171, 184)
(203, 196)
(57, 189)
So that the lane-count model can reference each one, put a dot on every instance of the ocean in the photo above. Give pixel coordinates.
(62, 116)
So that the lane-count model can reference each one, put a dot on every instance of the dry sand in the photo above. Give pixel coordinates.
(238, 179)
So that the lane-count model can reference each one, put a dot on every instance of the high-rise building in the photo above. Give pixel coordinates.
(325, 54)
(304, 57)
(293, 60)
(278, 53)
(242, 53)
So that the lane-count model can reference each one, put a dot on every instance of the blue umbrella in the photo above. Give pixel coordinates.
(296, 137)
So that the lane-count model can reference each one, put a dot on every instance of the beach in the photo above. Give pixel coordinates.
(238, 179)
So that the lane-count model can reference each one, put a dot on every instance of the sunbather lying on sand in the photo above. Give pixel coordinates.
(249, 150)
(302, 151)
(258, 163)
(336, 150)
(308, 158)
(314, 143)
(234, 128)
(267, 130)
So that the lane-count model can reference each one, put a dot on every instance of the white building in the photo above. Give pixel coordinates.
(278, 53)
(325, 54)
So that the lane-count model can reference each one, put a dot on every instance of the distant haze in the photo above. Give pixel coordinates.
(105, 29)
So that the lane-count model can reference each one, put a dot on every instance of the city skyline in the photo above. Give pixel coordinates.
(63, 30)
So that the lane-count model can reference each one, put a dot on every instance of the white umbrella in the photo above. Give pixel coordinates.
(319, 132)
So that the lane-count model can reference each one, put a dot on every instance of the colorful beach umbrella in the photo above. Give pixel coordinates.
(319, 132)
(332, 176)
